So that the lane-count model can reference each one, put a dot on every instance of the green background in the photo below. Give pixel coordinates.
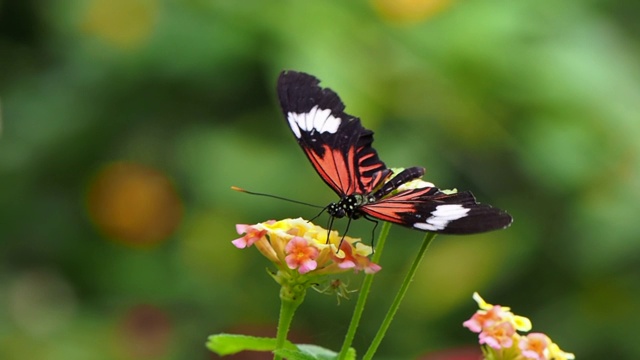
(124, 123)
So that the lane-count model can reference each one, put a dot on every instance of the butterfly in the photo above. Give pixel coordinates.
(340, 150)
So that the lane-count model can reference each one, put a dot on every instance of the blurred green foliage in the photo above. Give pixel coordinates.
(533, 105)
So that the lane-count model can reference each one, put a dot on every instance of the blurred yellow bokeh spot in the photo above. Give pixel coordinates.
(409, 11)
(122, 23)
(133, 203)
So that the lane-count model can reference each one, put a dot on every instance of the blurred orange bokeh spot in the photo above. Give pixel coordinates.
(409, 11)
(134, 203)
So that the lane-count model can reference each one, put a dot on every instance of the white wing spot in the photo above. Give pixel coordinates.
(425, 226)
(442, 216)
(293, 123)
(309, 118)
(316, 119)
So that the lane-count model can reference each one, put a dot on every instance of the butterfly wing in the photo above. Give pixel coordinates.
(337, 145)
(429, 209)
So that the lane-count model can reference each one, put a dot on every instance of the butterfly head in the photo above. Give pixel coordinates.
(349, 206)
(336, 211)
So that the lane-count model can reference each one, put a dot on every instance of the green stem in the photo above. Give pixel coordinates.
(291, 296)
(398, 299)
(364, 293)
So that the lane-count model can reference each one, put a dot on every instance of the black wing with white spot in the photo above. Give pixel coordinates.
(339, 148)
(337, 145)
(429, 209)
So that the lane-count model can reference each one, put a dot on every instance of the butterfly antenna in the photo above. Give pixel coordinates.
(277, 197)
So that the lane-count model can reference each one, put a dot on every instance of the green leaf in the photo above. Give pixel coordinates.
(227, 344)
(294, 354)
(312, 352)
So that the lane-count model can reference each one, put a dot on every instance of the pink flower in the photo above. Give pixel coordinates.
(498, 328)
(251, 234)
(299, 246)
(499, 336)
(353, 260)
(301, 255)
(534, 346)
(486, 318)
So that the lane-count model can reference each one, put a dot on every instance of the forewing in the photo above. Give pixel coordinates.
(337, 145)
(429, 209)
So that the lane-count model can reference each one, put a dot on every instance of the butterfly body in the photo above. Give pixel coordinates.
(339, 148)
(349, 206)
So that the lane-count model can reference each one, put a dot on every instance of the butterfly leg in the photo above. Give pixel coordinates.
(329, 227)
(344, 234)
(320, 213)
(373, 231)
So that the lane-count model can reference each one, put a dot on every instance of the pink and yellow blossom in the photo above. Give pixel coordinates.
(534, 346)
(301, 255)
(498, 336)
(251, 235)
(487, 318)
(498, 330)
(351, 257)
(497, 313)
(297, 244)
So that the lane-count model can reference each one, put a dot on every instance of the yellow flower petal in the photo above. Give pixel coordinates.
(557, 354)
(521, 323)
(481, 303)
(363, 250)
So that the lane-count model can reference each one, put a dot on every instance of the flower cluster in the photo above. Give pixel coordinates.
(299, 245)
(497, 327)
